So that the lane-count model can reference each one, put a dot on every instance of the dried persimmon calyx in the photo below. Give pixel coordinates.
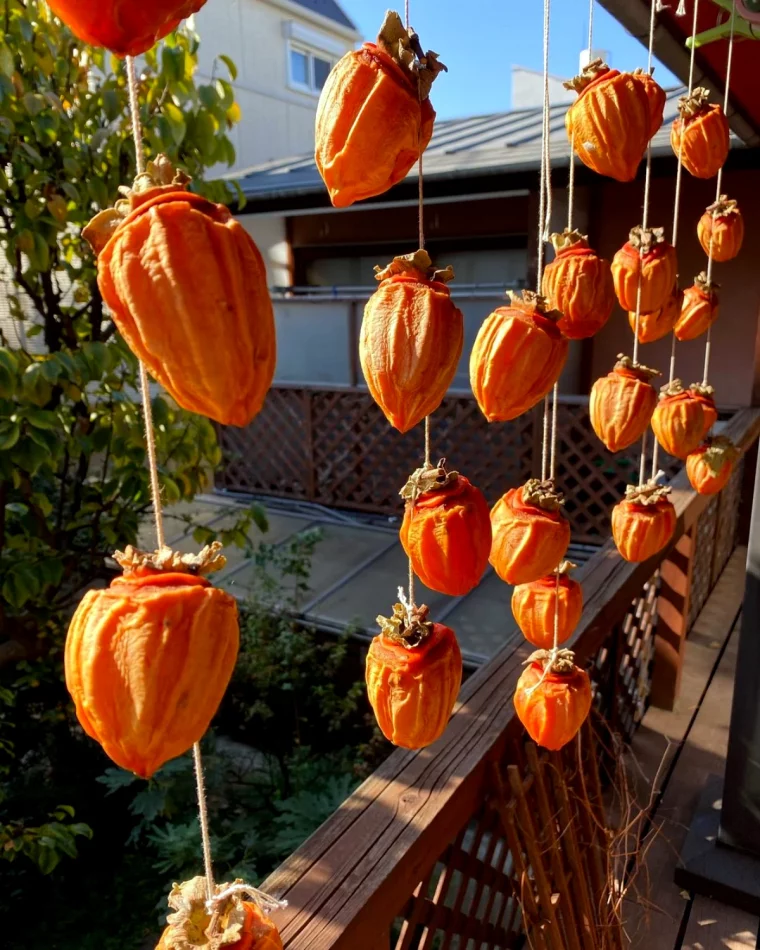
(409, 627)
(426, 479)
(209, 560)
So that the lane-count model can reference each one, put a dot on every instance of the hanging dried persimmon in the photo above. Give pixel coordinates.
(374, 117)
(518, 356)
(721, 230)
(446, 531)
(125, 27)
(530, 532)
(413, 673)
(609, 124)
(238, 924)
(657, 98)
(536, 607)
(165, 250)
(699, 310)
(553, 698)
(678, 421)
(646, 257)
(622, 402)
(411, 339)
(710, 466)
(644, 522)
(654, 326)
(700, 136)
(148, 659)
(706, 396)
(578, 283)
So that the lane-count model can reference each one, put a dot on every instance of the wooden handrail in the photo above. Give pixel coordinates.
(348, 881)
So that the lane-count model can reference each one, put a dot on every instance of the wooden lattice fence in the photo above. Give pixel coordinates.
(334, 447)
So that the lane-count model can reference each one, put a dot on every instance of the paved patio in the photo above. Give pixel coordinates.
(356, 570)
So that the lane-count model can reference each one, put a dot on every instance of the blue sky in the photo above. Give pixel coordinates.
(480, 40)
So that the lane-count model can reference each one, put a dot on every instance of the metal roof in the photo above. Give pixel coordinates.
(329, 9)
(472, 146)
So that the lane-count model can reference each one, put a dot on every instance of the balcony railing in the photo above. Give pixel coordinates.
(456, 846)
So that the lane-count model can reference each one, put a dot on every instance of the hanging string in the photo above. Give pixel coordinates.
(155, 488)
(406, 13)
(679, 176)
(590, 26)
(150, 435)
(544, 223)
(719, 186)
(647, 188)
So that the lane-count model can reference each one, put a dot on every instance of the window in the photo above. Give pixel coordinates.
(308, 70)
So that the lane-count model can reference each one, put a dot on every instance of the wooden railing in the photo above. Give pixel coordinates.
(333, 446)
(434, 849)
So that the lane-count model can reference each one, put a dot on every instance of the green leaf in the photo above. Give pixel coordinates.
(176, 121)
(41, 418)
(6, 61)
(9, 435)
(231, 67)
(33, 103)
(112, 105)
(48, 860)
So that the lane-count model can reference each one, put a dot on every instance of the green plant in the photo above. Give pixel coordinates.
(73, 479)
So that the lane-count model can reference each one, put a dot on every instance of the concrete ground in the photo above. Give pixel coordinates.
(356, 570)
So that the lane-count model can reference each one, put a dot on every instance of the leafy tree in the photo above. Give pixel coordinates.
(73, 479)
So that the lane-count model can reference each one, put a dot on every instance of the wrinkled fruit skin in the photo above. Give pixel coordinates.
(702, 478)
(553, 712)
(259, 933)
(516, 360)
(609, 124)
(125, 27)
(641, 531)
(654, 326)
(621, 406)
(370, 126)
(705, 142)
(410, 344)
(534, 604)
(147, 662)
(578, 283)
(447, 536)
(699, 311)
(709, 411)
(658, 266)
(412, 692)
(657, 98)
(528, 541)
(678, 423)
(726, 232)
(187, 289)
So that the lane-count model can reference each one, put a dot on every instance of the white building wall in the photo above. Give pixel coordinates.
(269, 233)
(277, 114)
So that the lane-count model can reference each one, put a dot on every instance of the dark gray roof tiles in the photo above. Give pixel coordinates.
(329, 9)
(504, 141)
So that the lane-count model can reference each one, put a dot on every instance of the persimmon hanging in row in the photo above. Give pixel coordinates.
(613, 119)
(644, 522)
(622, 402)
(699, 136)
(556, 599)
(148, 659)
(374, 117)
(165, 249)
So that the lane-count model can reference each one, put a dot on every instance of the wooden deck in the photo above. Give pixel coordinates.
(677, 751)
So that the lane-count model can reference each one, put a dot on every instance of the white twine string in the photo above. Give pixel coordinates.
(719, 188)
(549, 435)
(266, 902)
(155, 488)
(677, 205)
(150, 435)
(590, 26)
(644, 225)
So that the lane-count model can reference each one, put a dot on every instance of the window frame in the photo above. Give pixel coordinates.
(297, 46)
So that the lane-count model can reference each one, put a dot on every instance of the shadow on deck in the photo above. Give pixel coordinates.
(673, 755)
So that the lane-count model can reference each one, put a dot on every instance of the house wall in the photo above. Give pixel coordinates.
(615, 207)
(270, 234)
(277, 118)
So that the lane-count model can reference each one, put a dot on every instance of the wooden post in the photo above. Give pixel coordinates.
(673, 620)
(739, 821)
